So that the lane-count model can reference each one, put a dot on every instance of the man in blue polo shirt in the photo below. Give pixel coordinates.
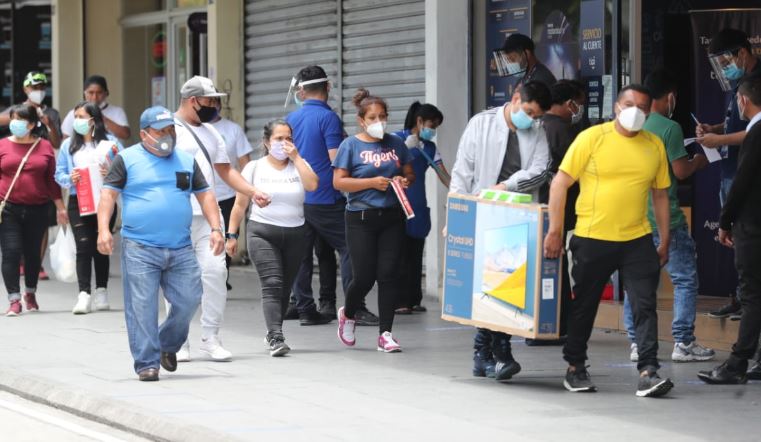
(317, 133)
(156, 182)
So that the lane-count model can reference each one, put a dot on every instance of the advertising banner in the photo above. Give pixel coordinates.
(503, 17)
(495, 274)
(715, 262)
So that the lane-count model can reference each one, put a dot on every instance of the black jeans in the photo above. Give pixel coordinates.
(85, 231)
(326, 262)
(327, 221)
(375, 245)
(412, 272)
(21, 234)
(496, 344)
(226, 206)
(276, 253)
(747, 239)
(594, 261)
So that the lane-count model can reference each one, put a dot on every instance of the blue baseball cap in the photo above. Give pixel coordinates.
(156, 117)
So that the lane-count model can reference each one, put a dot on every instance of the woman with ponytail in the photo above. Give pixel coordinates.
(364, 168)
(419, 130)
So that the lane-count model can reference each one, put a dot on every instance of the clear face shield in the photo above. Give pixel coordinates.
(725, 69)
(296, 86)
(503, 65)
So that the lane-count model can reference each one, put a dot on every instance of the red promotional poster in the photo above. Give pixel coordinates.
(403, 200)
(88, 189)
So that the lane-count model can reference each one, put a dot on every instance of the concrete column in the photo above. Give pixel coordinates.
(104, 46)
(447, 66)
(225, 21)
(68, 53)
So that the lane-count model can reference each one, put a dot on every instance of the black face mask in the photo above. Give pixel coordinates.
(206, 113)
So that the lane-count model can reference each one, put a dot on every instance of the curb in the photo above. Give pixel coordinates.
(111, 412)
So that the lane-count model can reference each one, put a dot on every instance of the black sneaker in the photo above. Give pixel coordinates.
(578, 381)
(313, 317)
(733, 308)
(651, 385)
(292, 313)
(723, 375)
(754, 372)
(365, 317)
(504, 371)
(277, 346)
(483, 365)
(328, 309)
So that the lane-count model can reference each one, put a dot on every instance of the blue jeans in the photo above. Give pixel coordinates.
(682, 268)
(144, 270)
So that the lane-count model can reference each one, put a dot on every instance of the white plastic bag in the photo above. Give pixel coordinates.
(63, 256)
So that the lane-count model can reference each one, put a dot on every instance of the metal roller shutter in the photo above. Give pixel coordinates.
(282, 36)
(383, 51)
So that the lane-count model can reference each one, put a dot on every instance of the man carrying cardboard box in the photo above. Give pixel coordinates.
(503, 148)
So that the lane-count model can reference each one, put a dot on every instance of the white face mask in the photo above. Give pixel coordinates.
(377, 129)
(632, 118)
(36, 97)
(741, 110)
(576, 117)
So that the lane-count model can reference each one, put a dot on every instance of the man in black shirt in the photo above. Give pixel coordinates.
(519, 52)
(740, 227)
(559, 125)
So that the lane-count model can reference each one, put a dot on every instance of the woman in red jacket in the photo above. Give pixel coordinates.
(27, 167)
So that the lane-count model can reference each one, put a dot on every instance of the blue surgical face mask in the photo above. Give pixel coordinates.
(297, 100)
(427, 133)
(732, 72)
(19, 128)
(521, 120)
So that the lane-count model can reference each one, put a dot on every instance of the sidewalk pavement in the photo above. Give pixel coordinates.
(324, 392)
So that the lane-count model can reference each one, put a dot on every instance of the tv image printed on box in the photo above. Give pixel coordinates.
(503, 284)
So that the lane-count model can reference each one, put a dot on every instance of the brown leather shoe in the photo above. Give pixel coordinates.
(169, 361)
(149, 375)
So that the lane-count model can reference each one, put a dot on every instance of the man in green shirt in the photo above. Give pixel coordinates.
(682, 265)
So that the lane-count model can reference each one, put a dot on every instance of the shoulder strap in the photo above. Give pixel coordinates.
(20, 167)
(198, 140)
(253, 170)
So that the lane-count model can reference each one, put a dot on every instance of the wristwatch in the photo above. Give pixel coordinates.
(231, 235)
(217, 229)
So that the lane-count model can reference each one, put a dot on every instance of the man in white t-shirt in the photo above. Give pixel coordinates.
(199, 138)
(96, 91)
(239, 152)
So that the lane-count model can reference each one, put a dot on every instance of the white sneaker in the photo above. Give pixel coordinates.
(634, 355)
(212, 347)
(691, 353)
(83, 304)
(100, 301)
(183, 354)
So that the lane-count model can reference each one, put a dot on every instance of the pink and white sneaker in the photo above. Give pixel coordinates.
(387, 343)
(346, 329)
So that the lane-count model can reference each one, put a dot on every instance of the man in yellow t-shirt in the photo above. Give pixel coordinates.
(617, 165)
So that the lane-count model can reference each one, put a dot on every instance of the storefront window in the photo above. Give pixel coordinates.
(146, 69)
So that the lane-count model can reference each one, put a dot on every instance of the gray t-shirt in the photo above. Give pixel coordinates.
(512, 161)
